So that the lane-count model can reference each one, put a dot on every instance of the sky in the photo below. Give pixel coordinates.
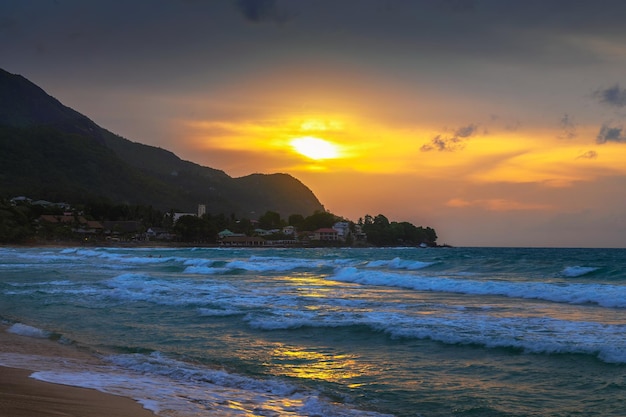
(495, 122)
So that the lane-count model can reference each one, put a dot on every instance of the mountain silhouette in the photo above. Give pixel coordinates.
(50, 151)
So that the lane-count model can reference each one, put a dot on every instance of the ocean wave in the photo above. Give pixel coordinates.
(218, 312)
(398, 263)
(577, 271)
(171, 387)
(212, 390)
(119, 257)
(529, 334)
(275, 264)
(144, 287)
(204, 270)
(261, 264)
(613, 296)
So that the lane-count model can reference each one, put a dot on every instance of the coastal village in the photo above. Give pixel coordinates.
(77, 225)
(52, 222)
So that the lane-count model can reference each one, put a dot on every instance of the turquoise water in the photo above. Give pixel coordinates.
(331, 332)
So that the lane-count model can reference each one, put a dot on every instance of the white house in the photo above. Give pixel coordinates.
(343, 229)
(326, 234)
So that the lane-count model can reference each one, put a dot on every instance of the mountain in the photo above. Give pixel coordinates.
(50, 151)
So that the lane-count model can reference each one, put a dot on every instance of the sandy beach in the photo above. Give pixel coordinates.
(22, 396)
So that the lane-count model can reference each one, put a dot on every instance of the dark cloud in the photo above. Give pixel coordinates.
(440, 143)
(588, 155)
(610, 133)
(257, 11)
(568, 127)
(450, 143)
(458, 6)
(613, 96)
(466, 131)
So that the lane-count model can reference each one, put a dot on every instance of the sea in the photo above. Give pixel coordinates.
(329, 332)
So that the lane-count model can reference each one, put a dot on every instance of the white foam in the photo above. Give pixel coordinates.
(531, 334)
(283, 264)
(173, 388)
(398, 263)
(143, 287)
(577, 271)
(214, 390)
(613, 296)
(215, 312)
(271, 265)
(29, 331)
(204, 270)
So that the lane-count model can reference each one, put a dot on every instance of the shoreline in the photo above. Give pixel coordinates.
(164, 244)
(23, 396)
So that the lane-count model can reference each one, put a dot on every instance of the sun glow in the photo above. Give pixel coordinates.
(315, 148)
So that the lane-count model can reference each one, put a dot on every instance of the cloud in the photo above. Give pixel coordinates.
(588, 155)
(466, 131)
(497, 204)
(450, 143)
(440, 143)
(257, 11)
(568, 127)
(610, 133)
(612, 96)
(458, 6)
(458, 202)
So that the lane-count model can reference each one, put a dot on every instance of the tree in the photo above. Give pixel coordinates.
(296, 220)
(270, 220)
(15, 224)
(381, 232)
(191, 229)
(319, 220)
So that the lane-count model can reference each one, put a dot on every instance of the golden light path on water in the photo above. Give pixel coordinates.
(314, 365)
(305, 363)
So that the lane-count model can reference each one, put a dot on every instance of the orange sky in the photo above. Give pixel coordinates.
(496, 123)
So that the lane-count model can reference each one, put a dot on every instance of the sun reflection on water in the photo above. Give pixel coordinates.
(308, 364)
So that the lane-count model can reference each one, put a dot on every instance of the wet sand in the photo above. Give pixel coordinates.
(22, 396)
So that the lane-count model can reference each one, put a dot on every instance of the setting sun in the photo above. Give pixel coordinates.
(315, 148)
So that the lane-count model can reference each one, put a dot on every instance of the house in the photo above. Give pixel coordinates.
(117, 229)
(158, 233)
(343, 229)
(95, 226)
(325, 234)
(66, 218)
(263, 232)
(243, 241)
(359, 234)
(20, 200)
(289, 230)
(89, 228)
(44, 203)
(53, 218)
(77, 224)
(227, 233)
